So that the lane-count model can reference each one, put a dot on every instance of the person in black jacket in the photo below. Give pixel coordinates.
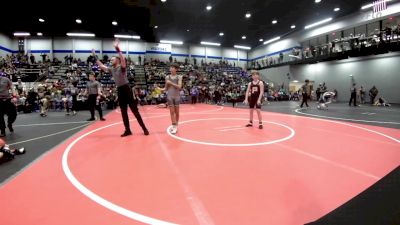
(353, 97)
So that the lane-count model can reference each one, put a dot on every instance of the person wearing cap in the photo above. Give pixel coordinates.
(173, 86)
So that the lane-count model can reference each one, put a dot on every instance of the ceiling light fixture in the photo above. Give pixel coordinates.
(221, 34)
(272, 40)
(261, 40)
(248, 15)
(317, 23)
(209, 7)
(19, 34)
(80, 35)
(317, 1)
(41, 20)
(274, 21)
(39, 34)
(244, 37)
(337, 9)
(163, 0)
(171, 42)
(242, 47)
(210, 43)
(126, 36)
(293, 26)
(155, 27)
(115, 23)
(78, 21)
(371, 5)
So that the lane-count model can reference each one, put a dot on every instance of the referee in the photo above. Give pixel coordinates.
(93, 90)
(6, 106)
(125, 95)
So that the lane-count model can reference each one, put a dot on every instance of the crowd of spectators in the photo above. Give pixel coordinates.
(216, 83)
(329, 45)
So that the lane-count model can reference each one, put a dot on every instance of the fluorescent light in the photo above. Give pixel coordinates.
(295, 81)
(39, 34)
(336, 9)
(367, 6)
(41, 20)
(293, 26)
(171, 42)
(274, 21)
(210, 43)
(261, 40)
(371, 5)
(242, 47)
(317, 23)
(244, 37)
(272, 40)
(78, 21)
(80, 35)
(248, 15)
(317, 1)
(22, 34)
(221, 34)
(126, 36)
(209, 7)
(115, 23)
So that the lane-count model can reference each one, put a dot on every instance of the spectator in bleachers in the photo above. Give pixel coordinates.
(194, 92)
(31, 101)
(44, 98)
(32, 58)
(44, 57)
(20, 87)
(69, 90)
(155, 94)
(66, 60)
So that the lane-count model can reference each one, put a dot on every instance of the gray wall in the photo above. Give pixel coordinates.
(383, 71)
(276, 75)
(6, 44)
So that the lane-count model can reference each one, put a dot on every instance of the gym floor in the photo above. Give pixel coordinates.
(302, 165)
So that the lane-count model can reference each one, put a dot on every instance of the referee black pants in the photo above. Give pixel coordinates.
(305, 100)
(125, 99)
(9, 109)
(92, 102)
(353, 97)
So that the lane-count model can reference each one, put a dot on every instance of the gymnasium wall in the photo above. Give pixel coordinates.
(7, 45)
(380, 70)
(81, 48)
(276, 75)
